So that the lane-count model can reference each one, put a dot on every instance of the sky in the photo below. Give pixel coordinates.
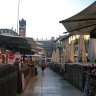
(42, 16)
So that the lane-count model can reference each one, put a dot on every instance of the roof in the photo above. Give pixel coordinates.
(83, 22)
(65, 37)
(61, 38)
(39, 43)
(33, 44)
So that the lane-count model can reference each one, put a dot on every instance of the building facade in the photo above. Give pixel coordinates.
(22, 28)
(8, 32)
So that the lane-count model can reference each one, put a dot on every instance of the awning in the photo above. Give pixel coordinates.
(83, 22)
(33, 44)
(15, 44)
(65, 37)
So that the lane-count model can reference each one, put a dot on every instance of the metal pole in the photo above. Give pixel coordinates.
(18, 17)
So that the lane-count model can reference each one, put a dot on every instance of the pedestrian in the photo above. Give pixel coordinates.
(36, 72)
(19, 77)
(43, 65)
(3, 59)
(16, 63)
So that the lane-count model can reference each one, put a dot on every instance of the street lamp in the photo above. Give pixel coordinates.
(18, 17)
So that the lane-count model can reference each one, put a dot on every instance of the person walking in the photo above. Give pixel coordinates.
(19, 77)
(43, 65)
(16, 63)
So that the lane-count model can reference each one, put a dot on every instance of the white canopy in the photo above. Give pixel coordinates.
(72, 52)
(81, 49)
(92, 50)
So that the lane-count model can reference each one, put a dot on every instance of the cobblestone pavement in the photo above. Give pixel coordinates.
(48, 83)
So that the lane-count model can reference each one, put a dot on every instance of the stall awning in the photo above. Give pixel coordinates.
(83, 22)
(16, 44)
(33, 44)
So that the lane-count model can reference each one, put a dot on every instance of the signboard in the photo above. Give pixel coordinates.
(11, 58)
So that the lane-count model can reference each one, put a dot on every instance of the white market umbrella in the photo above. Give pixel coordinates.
(72, 51)
(67, 49)
(63, 56)
(92, 50)
(81, 49)
(53, 56)
(57, 55)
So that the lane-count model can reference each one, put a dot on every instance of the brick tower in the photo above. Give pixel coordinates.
(22, 28)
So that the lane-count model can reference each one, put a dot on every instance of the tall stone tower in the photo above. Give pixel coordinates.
(22, 27)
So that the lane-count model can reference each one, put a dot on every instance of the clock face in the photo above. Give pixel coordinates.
(22, 23)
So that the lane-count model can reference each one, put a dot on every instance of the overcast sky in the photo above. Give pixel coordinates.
(42, 16)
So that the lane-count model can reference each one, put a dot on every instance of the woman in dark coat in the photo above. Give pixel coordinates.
(19, 77)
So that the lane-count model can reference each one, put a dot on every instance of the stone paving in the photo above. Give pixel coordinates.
(49, 83)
